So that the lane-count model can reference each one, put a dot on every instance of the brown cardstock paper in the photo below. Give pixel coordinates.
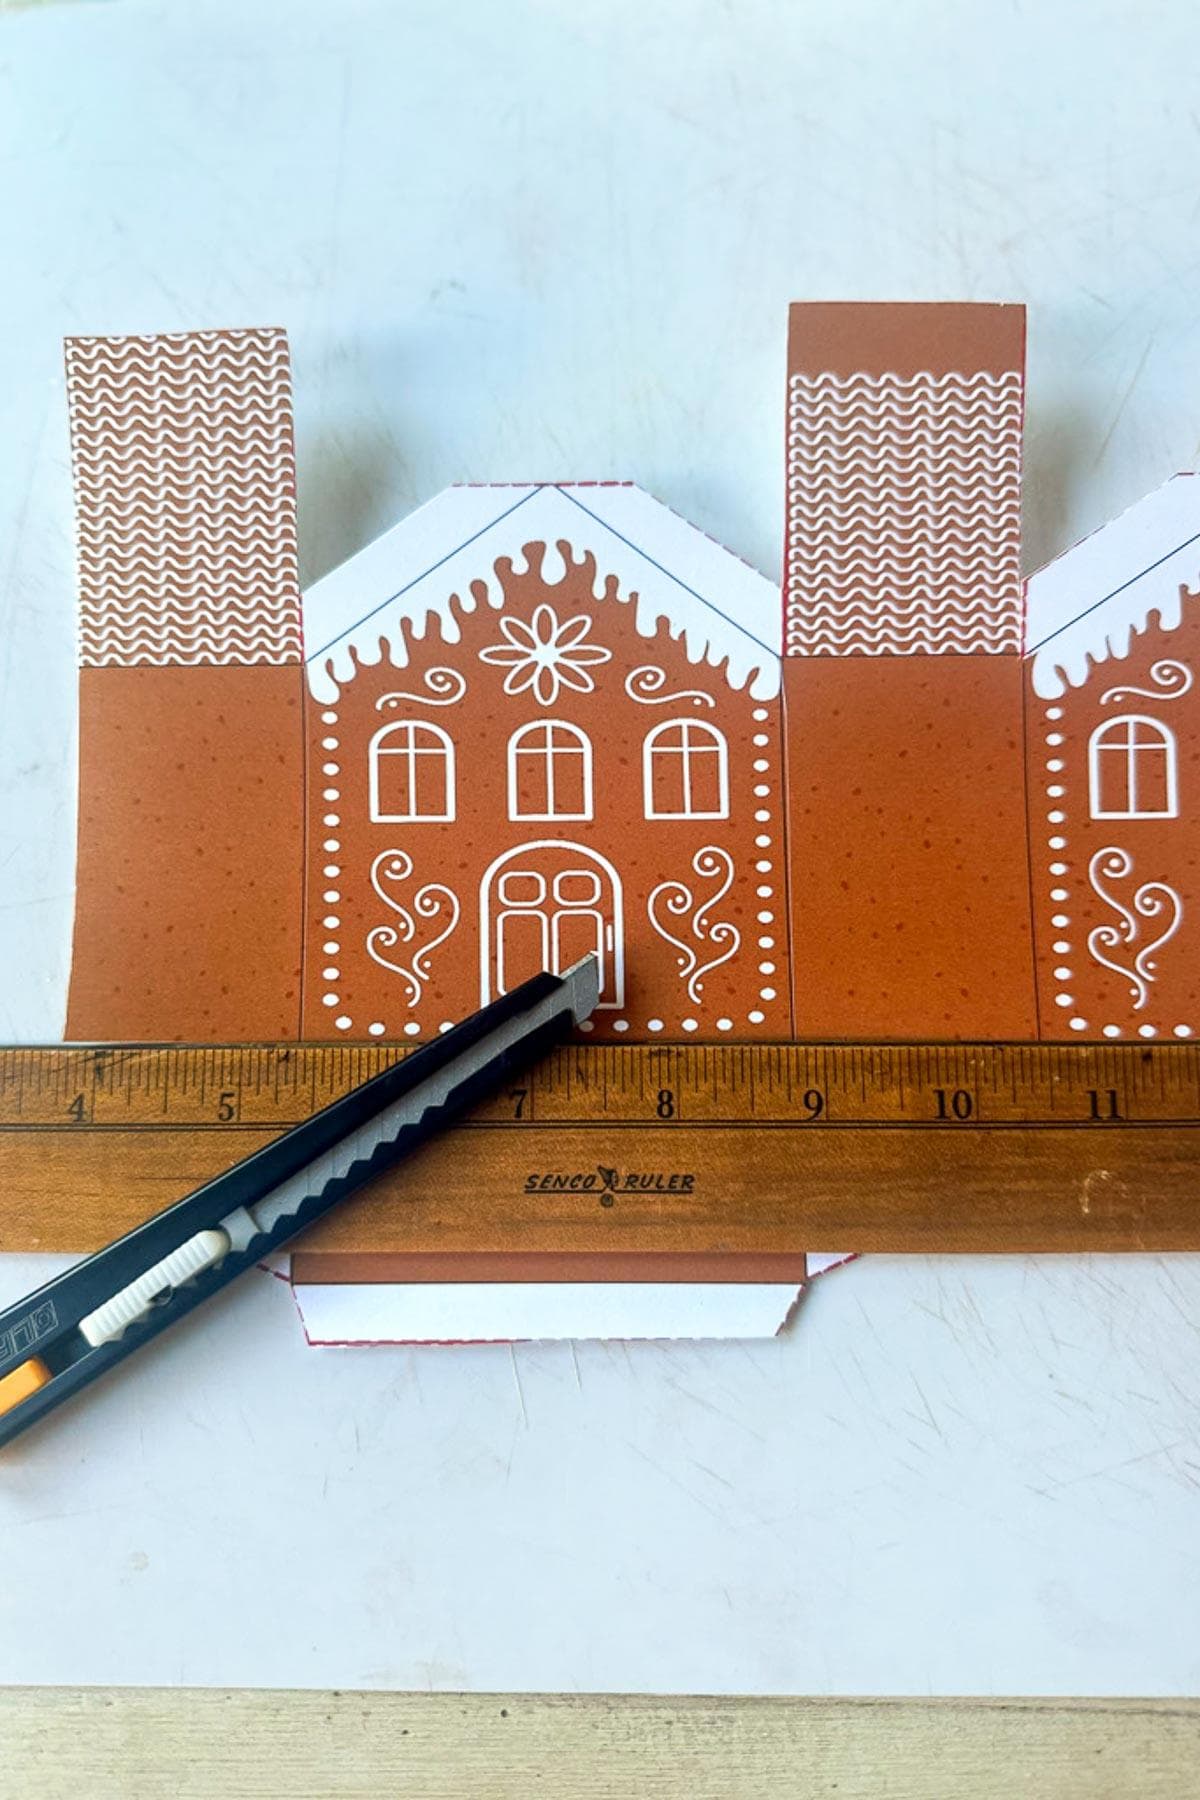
(912, 796)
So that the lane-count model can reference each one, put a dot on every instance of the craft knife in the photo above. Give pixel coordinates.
(57, 1340)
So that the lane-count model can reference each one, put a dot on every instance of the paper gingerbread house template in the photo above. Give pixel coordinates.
(913, 796)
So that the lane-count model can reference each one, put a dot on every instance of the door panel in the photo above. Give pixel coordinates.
(575, 934)
(546, 904)
(520, 948)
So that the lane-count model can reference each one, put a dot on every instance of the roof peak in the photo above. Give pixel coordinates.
(1087, 604)
(724, 611)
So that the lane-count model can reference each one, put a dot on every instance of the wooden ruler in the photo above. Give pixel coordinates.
(733, 1156)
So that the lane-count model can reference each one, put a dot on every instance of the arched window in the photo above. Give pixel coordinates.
(1133, 769)
(549, 772)
(685, 771)
(411, 773)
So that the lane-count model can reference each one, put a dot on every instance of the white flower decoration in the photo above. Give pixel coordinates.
(545, 655)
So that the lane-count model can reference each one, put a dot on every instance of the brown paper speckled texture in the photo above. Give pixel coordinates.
(909, 795)
(188, 883)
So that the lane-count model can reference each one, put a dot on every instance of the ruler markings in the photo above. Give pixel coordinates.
(730, 1146)
(953, 1085)
(931, 1127)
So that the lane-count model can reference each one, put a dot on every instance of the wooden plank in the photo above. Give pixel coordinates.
(114, 1744)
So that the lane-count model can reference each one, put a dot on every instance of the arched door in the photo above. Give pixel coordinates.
(543, 906)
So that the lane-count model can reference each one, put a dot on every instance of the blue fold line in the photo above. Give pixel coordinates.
(356, 625)
(628, 542)
(1148, 570)
(525, 498)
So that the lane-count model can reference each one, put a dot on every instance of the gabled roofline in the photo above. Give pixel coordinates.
(1086, 605)
(723, 610)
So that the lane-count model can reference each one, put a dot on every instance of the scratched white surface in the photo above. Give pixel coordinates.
(539, 240)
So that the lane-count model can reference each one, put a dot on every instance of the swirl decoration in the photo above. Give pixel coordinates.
(433, 901)
(679, 902)
(445, 687)
(1116, 946)
(645, 685)
(1171, 680)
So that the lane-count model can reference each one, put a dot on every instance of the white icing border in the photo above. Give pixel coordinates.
(722, 610)
(1086, 605)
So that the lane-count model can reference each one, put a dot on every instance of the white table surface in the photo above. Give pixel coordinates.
(542, 240)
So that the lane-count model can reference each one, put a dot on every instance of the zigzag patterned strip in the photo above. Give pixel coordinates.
(210, 363)
(870, 608)
(887, 489)
(143, 639)
(131, 573)
(202, 465)
(208, 348)
(168, 650)
(970, 533)
(954, 492)
(145, 476)
(209, 616)
(99, 397)
(953, 382)
(208, 368)
(880, 582)
(170, 647)
(161, 657)
(904, 513)
(121, 432)
(209, 613)
(207, 624)
(120, 521)
(880, 397)
(945, 402)
(188, 589)
(253, 498)
(982, 646)
(925, 510)
(878, 625)
(212, 609)
(840, 613)
(871, 461)
(128, 571)
(973, 427)
(890, 569)
(957, 540)
(921, 624)
(213, 656)
(980, 643)
(100, 402)
(151, 625)
(858, 641)
(234, 531)
(881, 401)
(929, 518)
(843, 435)
(185, 497)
